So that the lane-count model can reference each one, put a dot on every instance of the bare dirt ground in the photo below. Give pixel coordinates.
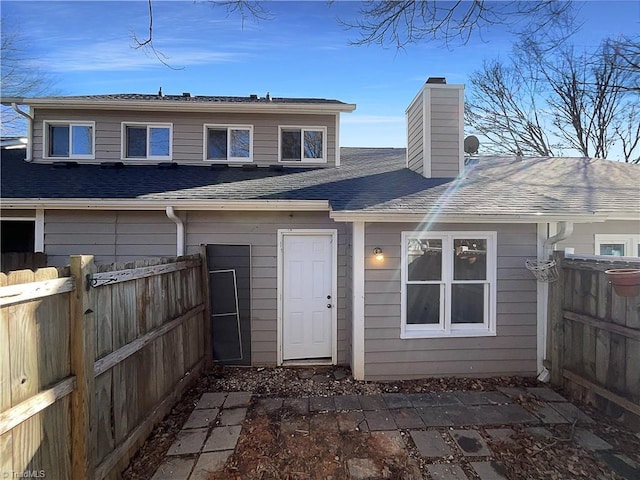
(318, 450)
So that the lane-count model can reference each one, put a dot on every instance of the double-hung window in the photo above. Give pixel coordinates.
(448, 284)
(73, 140)
(228, 143)
(303, 144)
(147, 141)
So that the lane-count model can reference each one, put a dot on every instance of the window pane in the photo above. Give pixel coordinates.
(291, 145)
(423, 304)
(424, 258)
(217, 144)
(59, 140)
(82, 140)
(467, 302)
(136, 142)
(616, 249)
(313, 144)
(240, 140)
(470, 259)
(159, 141)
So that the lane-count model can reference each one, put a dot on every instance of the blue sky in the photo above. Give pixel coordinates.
(302, 51)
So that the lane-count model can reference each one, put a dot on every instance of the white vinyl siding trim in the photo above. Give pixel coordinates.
(445, 328)
(303, 130)
(229, 129)
(149, 126)
(46, 139)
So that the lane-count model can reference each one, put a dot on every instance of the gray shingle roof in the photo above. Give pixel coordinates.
(253, 99)
(369, 180)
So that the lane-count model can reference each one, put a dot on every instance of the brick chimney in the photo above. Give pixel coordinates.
(435, 131)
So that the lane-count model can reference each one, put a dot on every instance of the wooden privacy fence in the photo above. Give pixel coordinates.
(91, 358)
(594, 337)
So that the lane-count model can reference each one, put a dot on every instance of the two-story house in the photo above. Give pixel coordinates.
(398, 262)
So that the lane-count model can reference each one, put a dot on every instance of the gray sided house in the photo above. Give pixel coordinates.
(401, 263)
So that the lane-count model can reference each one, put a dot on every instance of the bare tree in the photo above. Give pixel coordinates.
(20, 77)
(583, 101)
(504, 110)
(399, 23)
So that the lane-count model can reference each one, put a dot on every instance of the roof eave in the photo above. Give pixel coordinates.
(165, 105)
(161, 204)
(424, 217)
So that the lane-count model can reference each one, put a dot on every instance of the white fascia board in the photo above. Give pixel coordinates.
(182, 106)
(230, 205)
(391, 217)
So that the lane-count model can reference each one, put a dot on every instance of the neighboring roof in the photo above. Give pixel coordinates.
(371, 183)
(184, 101)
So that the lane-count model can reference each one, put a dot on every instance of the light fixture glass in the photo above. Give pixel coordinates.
(378, 253)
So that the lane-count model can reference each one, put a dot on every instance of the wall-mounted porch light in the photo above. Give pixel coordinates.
(378, 253)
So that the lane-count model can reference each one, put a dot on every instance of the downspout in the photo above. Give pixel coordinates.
(29, 118)
(179, 231)
(565, 231)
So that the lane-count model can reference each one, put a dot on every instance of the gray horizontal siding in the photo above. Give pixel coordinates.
(445, 135)
(583, 237)
(188, 132)
(260, 230)
(511, 351)
(415, 140)
(126, 236)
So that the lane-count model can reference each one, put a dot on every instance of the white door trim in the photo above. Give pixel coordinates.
(334, 286)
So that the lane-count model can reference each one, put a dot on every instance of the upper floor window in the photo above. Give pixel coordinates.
(69, 139)
(151, 141)
(303, 144)
(449, 284)
(228, 143)
(617, 245)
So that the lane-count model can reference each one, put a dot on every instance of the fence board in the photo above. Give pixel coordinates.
(596, 353)
(130, 345)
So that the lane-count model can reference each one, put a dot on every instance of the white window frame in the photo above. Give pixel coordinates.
(629, 240)
(229, 158)
(149, 125)
(70, 123)
(303, 129)
(445, 328)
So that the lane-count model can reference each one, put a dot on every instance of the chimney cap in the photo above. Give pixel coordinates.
(439, 80)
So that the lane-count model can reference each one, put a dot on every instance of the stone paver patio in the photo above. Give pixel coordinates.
(210, 435)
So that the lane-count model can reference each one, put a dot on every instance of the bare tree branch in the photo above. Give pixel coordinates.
(399, 23)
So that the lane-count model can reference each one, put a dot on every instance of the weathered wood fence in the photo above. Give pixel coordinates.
(91, 358)
(594, 337)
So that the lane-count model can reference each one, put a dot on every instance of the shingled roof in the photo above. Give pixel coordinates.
(369, 181)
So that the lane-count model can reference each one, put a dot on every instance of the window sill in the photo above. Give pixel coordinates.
(452, 334)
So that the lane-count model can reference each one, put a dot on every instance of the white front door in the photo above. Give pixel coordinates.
(308, 290)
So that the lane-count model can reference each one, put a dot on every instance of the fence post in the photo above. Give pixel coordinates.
(556, 321)
(83, 345)
(208, 348)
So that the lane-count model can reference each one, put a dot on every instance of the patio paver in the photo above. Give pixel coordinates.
(380, 420)
(233, 416)
(407, 418)
(590, 441)
(188, 442)
(471, 443)
(318, 404)
(396, 400)
(571, 412)
(201, 418)
(430, 443)
(546, 394)
(211, 400)
(347, 402)
(222, 438)
(237, 399)
(209, 463)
